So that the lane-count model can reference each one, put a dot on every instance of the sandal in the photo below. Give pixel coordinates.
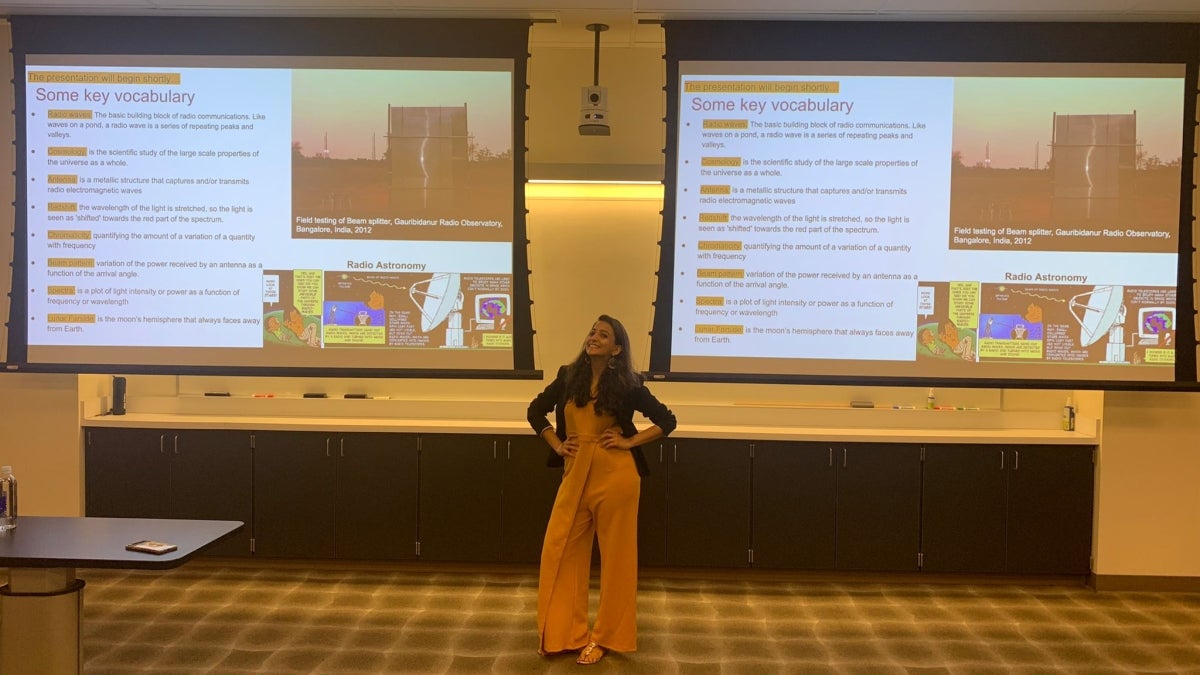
(590, 654)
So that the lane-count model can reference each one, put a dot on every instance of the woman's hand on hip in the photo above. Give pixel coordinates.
(612, 439)
(569, 447)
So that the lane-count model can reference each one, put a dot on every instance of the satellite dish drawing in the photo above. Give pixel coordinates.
(441, 299)
(1101, 311)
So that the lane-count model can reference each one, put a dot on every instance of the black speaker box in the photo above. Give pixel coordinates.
(118, 407)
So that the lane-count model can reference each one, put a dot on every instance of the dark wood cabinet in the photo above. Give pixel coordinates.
(964, 509)
(708, 502)
(189, 474)
(375, 510)
(795, 505)
(460, 497)
(528, 488)
(335, 495)
(293, 493)
(127, 473)
(1019, 509)
(976, 508)
(212, 478)
(878, 506)
(1050, 493)
(652, 507)
(485, 498)
(837, 506)
(488, 498)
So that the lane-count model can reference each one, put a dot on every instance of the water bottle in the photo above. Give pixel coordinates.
(8, 499)
(1068, 416)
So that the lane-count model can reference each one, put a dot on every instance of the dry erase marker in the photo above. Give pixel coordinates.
(264, 396)
(904, 407)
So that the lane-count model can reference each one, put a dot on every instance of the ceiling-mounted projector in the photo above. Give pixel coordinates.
(593, 100)
(593, 111)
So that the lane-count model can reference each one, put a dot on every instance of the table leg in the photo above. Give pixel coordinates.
(40, 613)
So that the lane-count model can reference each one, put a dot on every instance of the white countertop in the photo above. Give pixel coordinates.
(972, 431)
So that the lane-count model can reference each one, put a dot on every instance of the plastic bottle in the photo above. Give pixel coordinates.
(1068, 416)
(929, 402)
(8, 499)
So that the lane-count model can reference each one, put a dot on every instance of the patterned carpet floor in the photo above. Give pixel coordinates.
(212, 616)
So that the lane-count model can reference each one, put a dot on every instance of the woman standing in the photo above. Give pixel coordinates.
(594, 439)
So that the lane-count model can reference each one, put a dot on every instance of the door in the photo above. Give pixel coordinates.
(375, 505)
(527, 494)
(964, 508)
(127, 473)
(794, 511)
(293, 494)
(212, 478)
(652, 506)
(1050, 491)
(878, 506)
(708, 502)
(460, 497)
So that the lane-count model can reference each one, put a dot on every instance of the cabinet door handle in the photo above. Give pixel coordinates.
(342, 447)
(161, 438)
(845, 453)
(493, 449)
(175, 441)
(675, 450)
(1001, 460)
(831, 455)
(327, 447)
(1016, 460)
(508, 450)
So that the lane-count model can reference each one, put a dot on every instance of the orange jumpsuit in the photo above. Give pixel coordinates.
(598, 497)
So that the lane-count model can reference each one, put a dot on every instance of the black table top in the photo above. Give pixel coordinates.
(45, 541)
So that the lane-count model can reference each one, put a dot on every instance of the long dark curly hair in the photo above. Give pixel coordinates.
(615, 381)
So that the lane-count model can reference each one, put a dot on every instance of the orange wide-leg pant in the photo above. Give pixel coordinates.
(598, 498)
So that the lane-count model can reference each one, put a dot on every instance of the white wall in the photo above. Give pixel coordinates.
(634, 75)
(39, 437)
(1148, 479)
(598, 253)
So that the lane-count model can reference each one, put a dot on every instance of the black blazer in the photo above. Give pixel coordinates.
(554, 397)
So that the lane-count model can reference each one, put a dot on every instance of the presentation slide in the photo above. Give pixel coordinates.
(942, 220)
(270, 211)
